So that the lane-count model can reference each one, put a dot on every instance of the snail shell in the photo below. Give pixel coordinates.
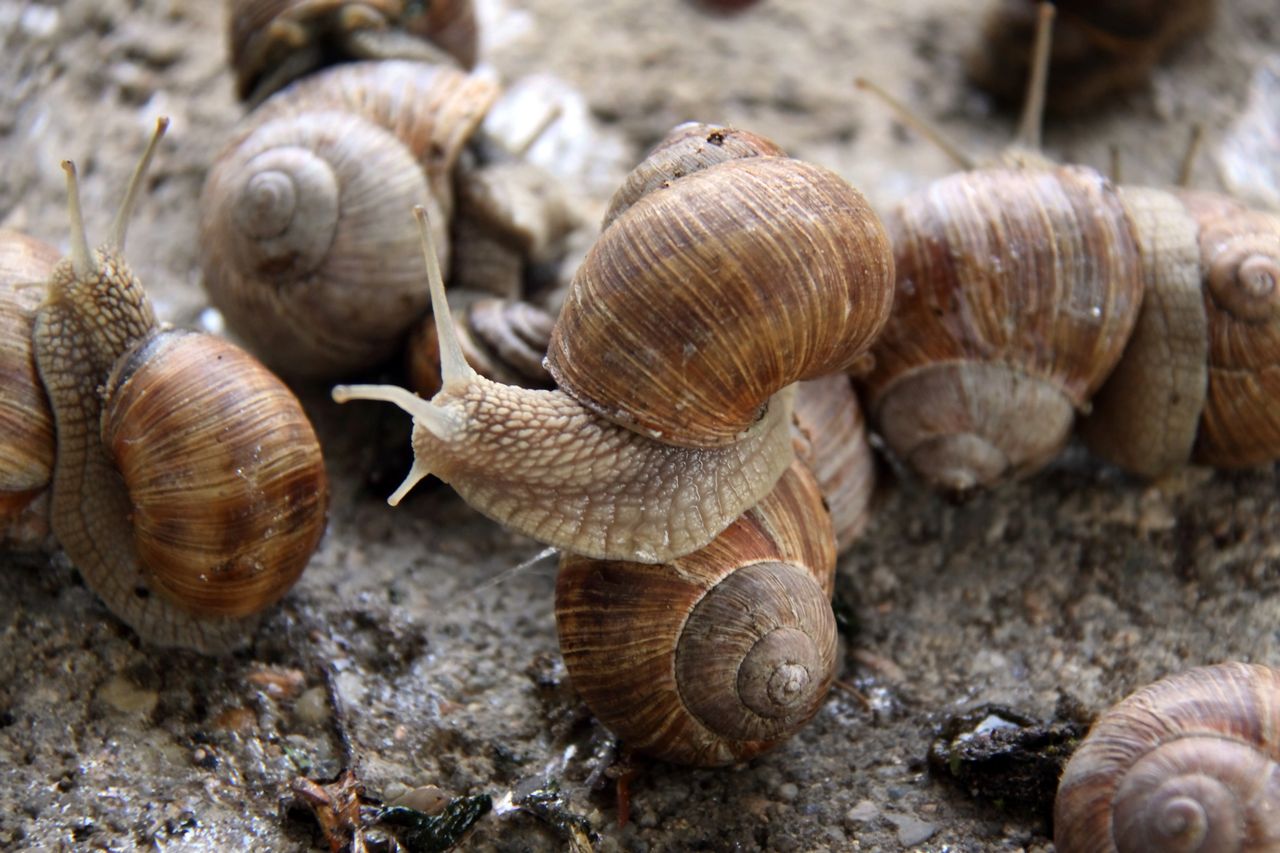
(304, 241)
(1098, 48)
(719, 655)
(830, 438)
(273, 42)
(1188, 763)
(26, 423)
(1201, 373)
(1017, 289)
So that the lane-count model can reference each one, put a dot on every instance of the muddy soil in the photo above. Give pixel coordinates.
(414, 653)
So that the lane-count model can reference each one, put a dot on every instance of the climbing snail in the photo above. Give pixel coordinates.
(718, 655)
(272, 42)
(188, 486)
(1019, 289)
(1188, 763)
(682, 330)
(1098, 49)
(306, 247)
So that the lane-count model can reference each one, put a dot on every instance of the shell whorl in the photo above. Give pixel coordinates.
(227, 488)
(736, 280)
(719, 655)
(1190, 763)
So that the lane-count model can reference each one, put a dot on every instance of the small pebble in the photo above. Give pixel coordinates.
(788, 791)
(123, 695)
(312, 707)
(912, 830)
(864, 812)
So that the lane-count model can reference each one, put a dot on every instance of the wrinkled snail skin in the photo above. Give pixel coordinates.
(273, 42)
(705, 299)
(716, 656)
(306, 245)
(1098, 48)
(26, 423)
(1190, 763)
(188, 486)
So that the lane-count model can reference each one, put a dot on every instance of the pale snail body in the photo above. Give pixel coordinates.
(716, 656)
(306, 247)
(272, 42)
(188, 486)
(695, 308)
(26, 423)
(1099, 47)
(1190, 763)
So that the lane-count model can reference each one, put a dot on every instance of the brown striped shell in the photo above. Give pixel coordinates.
(226, 485)
(1016, 290)
(306, 246)
(734, 281)
(1200, 376)
(1098, 48)
(272, 42)
(1190, 763)
(719, 655)
(26, 423)
(830, 438)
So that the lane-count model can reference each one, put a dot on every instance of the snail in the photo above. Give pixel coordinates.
(1188, 763)
(720, 654)
(1098, 49)
(304, 245)
(1018, 292)
(188, 486)
(273, 42)
(26, 423)
(830, 438)
(695, 309)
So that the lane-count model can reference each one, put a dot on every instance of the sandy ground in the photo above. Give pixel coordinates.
(1068, 590)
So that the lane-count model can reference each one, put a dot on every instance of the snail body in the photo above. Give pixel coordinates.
(272, 42)
(696, 307)
(718, 655)
(188, 486)
(1188, 763)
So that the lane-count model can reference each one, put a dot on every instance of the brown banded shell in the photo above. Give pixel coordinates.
(26, 422)
(304, 242)
(1190, 763)
(227, 487)
(1016, 290)
(688, 148)
(830, 437)
(784, 274)
(1099, 48)
(1201, 373)
(719, 655)
(273, 42)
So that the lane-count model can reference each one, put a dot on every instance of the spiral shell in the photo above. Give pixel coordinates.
(272, 42)
(720, 654)
(305, 244)
(736, 280)
(1188, 763)
(1017, 289)
(26, 423)
(1201, 373)
(226, 484)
